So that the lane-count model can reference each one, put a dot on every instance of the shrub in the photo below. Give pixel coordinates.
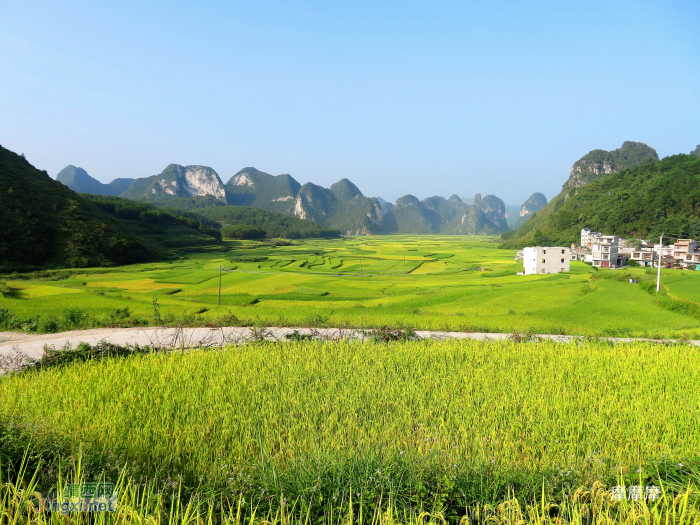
(48, 325)
(243, 232)
(53, 357)
(386, 334)
(74, 318)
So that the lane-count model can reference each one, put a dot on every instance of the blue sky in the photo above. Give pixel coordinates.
(428, 98)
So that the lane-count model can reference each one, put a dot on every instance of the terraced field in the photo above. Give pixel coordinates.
(439, 283)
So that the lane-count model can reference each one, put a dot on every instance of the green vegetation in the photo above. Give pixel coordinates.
(340, 428)
(160, 224)
(194, 204)
(639, 202)
(599, 162)
(241, 222)
(47, 225)
(252, 187)
(345, 190)
(437, 282)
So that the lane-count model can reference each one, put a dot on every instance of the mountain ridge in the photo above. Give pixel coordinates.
(79, 181)
(342, 206)
(591, 201)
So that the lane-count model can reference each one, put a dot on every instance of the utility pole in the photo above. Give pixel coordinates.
(658, 274)
(219, 285)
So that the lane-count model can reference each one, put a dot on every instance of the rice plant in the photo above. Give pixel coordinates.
(448, 428)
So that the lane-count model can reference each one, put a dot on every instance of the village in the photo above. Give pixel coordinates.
(610, 251)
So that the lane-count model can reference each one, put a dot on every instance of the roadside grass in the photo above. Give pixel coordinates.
(441, 276)
(445, 427)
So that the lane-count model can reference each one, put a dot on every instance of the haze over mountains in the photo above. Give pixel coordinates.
(342, 206)
(345, 209)
(78, 180)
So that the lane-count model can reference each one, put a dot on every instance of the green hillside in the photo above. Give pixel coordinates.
(344, 190)
(194, 204)
(240, 221)
(164, 227)
(594, 165)
(46, 225)
(252, 187)
(643, 202)
(600, 162)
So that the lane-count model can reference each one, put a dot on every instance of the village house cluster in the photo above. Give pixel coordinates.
(609, 251)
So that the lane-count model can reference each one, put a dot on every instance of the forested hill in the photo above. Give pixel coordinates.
(165, 227)
(639, 202)
(596, 164)
(45, 224)
(244, 222)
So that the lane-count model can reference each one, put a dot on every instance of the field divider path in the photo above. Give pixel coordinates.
(32, 345)
(361, 275)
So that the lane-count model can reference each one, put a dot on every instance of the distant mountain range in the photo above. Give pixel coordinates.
(78, 180)
(627, 192)
(341, 207)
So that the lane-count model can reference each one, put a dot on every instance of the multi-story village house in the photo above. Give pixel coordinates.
(604, 249)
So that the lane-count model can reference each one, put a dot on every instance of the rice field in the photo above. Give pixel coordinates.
(431, 282)
(438, 426)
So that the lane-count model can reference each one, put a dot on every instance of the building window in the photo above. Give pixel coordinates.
(562, 260)
(544, 252)
(562, 251)
(543, 261)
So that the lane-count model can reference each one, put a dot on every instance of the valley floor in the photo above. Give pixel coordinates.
(438, 283)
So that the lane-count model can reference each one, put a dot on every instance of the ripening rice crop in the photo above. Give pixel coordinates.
(445, 423)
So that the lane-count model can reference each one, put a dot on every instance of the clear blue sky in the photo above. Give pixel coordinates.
(400, 97)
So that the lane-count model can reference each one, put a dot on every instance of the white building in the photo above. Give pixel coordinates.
(666, 251)
(644, 256)
(605, 249)
(587, 237)
(549, 259)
